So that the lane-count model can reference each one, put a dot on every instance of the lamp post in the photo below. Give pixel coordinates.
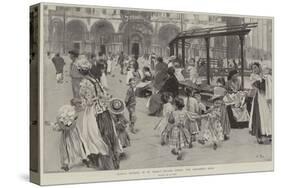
(63, 42)
(129, 34)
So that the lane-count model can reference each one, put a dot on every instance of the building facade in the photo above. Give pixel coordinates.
(93, 30)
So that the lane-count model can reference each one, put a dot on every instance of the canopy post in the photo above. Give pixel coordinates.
(207, 39)
(171, 49)
(183, 52)
(177, 49)
(242, 38)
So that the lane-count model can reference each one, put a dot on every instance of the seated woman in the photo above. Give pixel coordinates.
(235, 101)
(171, 85)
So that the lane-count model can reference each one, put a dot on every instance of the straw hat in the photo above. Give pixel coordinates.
(116, 106)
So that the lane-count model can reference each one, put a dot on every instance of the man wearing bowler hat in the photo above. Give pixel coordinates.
(76, 77)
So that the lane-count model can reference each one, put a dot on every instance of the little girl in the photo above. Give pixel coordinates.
(212, 130)
(168, 108)
(116, 108)
(192, 106)
(220, 88)
(178, 135)
(71, 145)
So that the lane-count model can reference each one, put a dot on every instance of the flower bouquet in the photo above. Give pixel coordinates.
(65, 119)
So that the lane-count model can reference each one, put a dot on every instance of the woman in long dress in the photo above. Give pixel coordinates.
(171, 84)
(235, 101)
(261, 116)
(97, 124)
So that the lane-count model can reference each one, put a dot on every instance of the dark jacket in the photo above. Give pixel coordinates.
(59, 64)
(160, 75)
(171, 85)
(96, 70)
(130, 99)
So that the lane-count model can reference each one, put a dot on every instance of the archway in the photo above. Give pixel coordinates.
(56, 36)
(136, 44)
(76, 34)
(102, 33)
(166, 34)
(136, 37)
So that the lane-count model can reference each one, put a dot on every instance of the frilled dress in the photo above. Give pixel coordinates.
(177, 134)
(211, 130)
(71, 146)
(261, 113)
(97, 119)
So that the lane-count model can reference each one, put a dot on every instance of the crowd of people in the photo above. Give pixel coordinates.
(97, 132)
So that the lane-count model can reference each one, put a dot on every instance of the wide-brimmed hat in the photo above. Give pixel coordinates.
(219, 93)
(116, 106)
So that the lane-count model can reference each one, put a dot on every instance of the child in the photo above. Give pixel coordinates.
(130, 102)
(178, 135)
(220, 88)
(212, 130)
(116, 107)
(71, 145)
(202, 107)
(192, 106)
(168, 108)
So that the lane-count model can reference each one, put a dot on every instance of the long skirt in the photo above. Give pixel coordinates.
(108, 133)
(155, 105)
(225, 121)
(90, 134)
(261, 117)
(71, 148)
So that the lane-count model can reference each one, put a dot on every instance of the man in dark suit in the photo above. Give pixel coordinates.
(59, 63)
(96, 69)
(120, 61)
